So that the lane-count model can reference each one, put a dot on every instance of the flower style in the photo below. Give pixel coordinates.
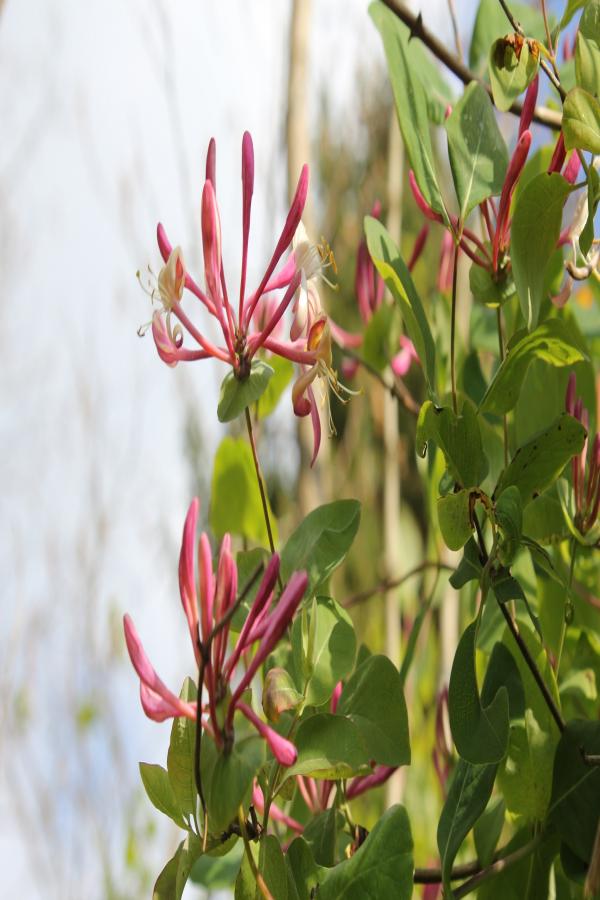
(208, 624)
(256, 322)
(586, 492)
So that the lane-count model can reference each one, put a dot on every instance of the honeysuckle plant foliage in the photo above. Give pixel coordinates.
(287, 718)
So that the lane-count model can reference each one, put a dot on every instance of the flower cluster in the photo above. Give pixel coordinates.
(256, 323)
(586, 491)
(209, 624)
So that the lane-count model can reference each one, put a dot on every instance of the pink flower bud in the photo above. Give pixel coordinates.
(422, 203)
(529, 106)
(558, 156)
(211, 163)
(283, 750)
(572, 168)
(187, 582)
(419, 246)
(211, 242)
(366, 782)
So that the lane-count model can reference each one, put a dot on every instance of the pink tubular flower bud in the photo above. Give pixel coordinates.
(558, 156)
(258, 801)
(422, 203)
(570, 395)
(211, 163)
(572, 168)
(279, 619)
(211, 242)
(283, 750)
(445, 267)
(515, 167)
(418, 248)
(187, 581)
(207, 586)
(365, 782)
(247, 191)
(529, 106)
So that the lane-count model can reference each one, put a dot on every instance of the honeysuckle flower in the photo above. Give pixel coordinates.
(255, 322)
(402, 361)
(586, 489)
(303, 398)
(207, 602)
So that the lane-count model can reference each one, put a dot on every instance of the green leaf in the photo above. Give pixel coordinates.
(510, 73)
(478, 154)
(411, 103)
(468, 795)
(570, 10)
(180, 758)
(270, 863)
(538, 463)
(236, 395)
(551, 342)
(283, 372)
(486, 290)
(491, 23)
(525, 777)
(480, 733)
(321, 542)
(587, 49)
(333, 651)
(328, 747)
(216, 872)
(575, 802)
(374, 701)
(454, 516)
(236, 505)
(509, 517)
(506, 587)
(459, 439)
(469, 568)
(381, 336)
(381, 869)
(227, 779)
(302, 866)
(581, 121)
(390, 265)
(488, 829)
(321, 836)
(172, 880)
(160, 792)
(534, 232)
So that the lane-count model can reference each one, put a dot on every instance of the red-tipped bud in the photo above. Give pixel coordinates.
(529, 106)
(418, 248)
(572, 168)
(211, 242)
(211, 163)
(559, 155)
(422, 203)
(283, 750)
(187, 581)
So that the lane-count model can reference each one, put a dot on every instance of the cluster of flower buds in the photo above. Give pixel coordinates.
(585, 472)
(256, 324)
(492, 255)
(369, 289)
(209, 624)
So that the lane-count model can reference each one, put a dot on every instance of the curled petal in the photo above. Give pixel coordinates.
(187, 582)
(563, 295)
(316, 424)
(283, 750)
(301, 404)
(166, 346)
(344, 338)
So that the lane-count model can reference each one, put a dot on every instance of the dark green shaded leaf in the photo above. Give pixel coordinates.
(382, 869)
(271, 865)
(227, 779)
(575, 802)
(328, 747)
(216, 872)
(509, 517)
(454, 516)
(301, 864)
(486, 290)
(459, 439)
(538, 463)
(480, 733)
(321, 836)
(374, 701)
(236, 395)
(468, 795)
(487, 830)
(469, 568)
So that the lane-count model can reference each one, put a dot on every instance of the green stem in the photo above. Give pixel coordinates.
(500, 865)
(261, 487)
(501, 350)
(563, 628)
(453, 331)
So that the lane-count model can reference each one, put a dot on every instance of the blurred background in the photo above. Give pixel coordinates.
(107, 110)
